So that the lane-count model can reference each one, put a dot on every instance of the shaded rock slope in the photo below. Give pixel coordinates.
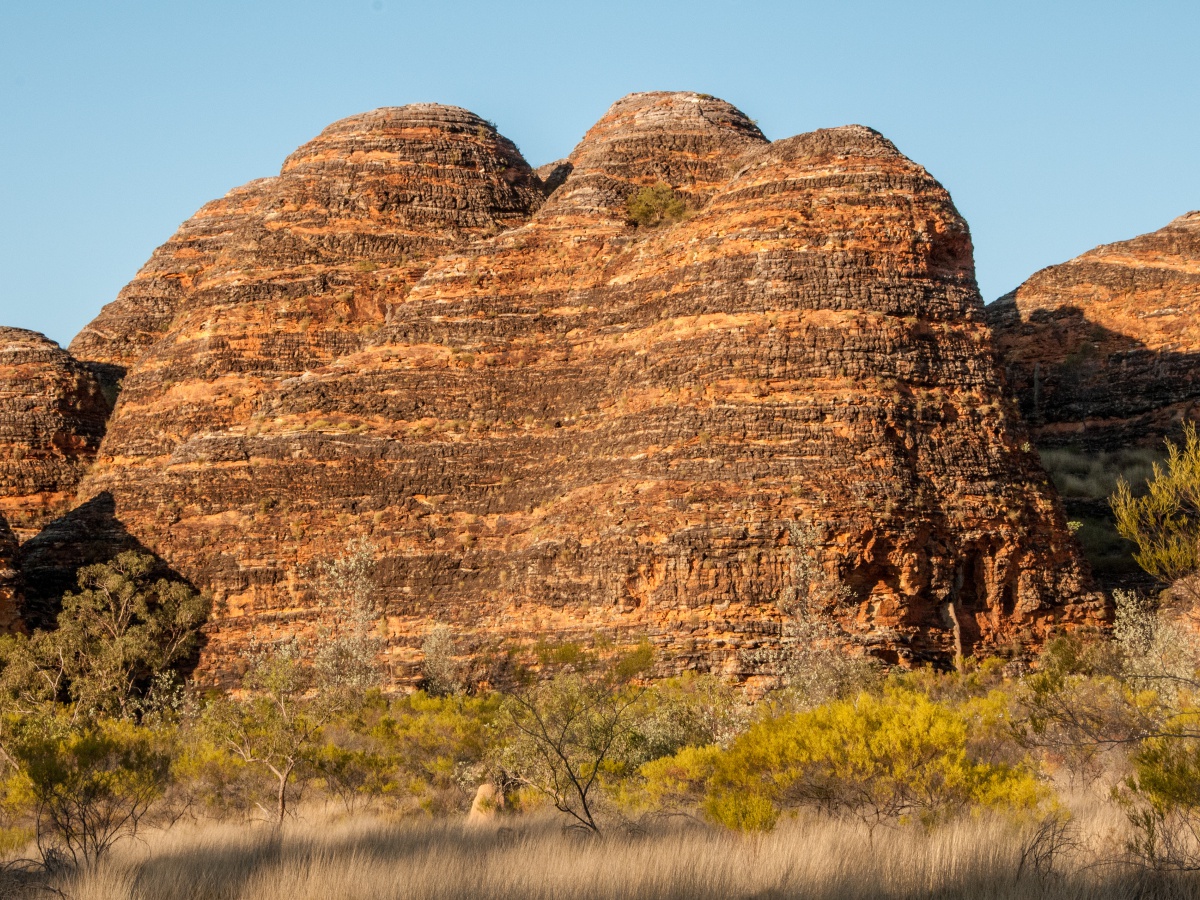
(551, 424)
(1103, 352)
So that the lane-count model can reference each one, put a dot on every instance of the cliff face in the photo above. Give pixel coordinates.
(552, 424)
(52, 416)
(1103, 350)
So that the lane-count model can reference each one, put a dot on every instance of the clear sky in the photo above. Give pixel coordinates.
(1055, 125)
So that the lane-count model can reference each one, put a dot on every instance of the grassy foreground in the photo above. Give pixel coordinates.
(818, 858)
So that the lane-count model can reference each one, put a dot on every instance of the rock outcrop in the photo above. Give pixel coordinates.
(52, 415)
(551, 424)
(286, 272)
(1104, 350)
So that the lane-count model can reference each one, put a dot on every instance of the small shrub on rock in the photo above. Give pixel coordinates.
(655, 205)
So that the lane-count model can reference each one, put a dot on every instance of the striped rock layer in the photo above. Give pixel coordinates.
(52, 414)
(1104, 350)
(550, 424)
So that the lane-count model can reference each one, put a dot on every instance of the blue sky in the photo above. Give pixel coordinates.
(1055, 125)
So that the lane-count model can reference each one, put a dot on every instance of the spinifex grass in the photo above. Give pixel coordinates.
(536, 860)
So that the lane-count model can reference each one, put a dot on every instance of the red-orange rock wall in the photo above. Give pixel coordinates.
(52, 415)
(554, 425)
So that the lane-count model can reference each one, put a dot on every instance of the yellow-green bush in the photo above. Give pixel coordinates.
(895, 757)
(438, 745)
(86, 785)
(1165, 522)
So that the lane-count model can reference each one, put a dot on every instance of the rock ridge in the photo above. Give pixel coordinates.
(1103, 350)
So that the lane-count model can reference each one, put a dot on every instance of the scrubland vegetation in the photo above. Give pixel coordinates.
(1073, 775)
(1085, 480)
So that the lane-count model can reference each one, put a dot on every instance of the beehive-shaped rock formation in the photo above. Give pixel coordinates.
(1104, 350)
(552, 424)
(52, 415)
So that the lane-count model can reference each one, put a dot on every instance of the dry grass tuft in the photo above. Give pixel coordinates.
(371, 859)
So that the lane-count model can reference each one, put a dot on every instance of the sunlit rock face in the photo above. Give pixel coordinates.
(52, 415)
(554, 425)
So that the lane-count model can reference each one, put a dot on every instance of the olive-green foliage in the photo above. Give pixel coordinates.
(426, 752)
(354, 775)
(1162, 797)
(276, 723)
(688, 711)
(1075, 707)
(880, 758)
(655, 205)
(119, 635)
(76, 767)
(1167, 771)
(564, 732)
(409, 754)
(207, 780)
(346, 658)
(441, 667)
(88, 785)
(1080, 473)
(1165, 522)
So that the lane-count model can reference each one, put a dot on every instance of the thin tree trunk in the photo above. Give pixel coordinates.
(284, 774)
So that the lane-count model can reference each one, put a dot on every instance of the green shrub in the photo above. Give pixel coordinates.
(121, 637)
(655, 205)
(882, 759)
(1165, 522)
(439, 745)
(86, 785)
(566, 733)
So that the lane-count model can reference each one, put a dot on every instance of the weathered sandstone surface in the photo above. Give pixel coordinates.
(1104, 350)
(553, 425)
(52, 415)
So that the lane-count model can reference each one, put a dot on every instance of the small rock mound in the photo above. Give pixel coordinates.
(52, 416)
(690, 141)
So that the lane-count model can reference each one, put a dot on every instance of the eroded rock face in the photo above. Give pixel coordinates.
(287, 272)
(555, 425)
(52, 415)
(1104, 350)
(279, 276)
